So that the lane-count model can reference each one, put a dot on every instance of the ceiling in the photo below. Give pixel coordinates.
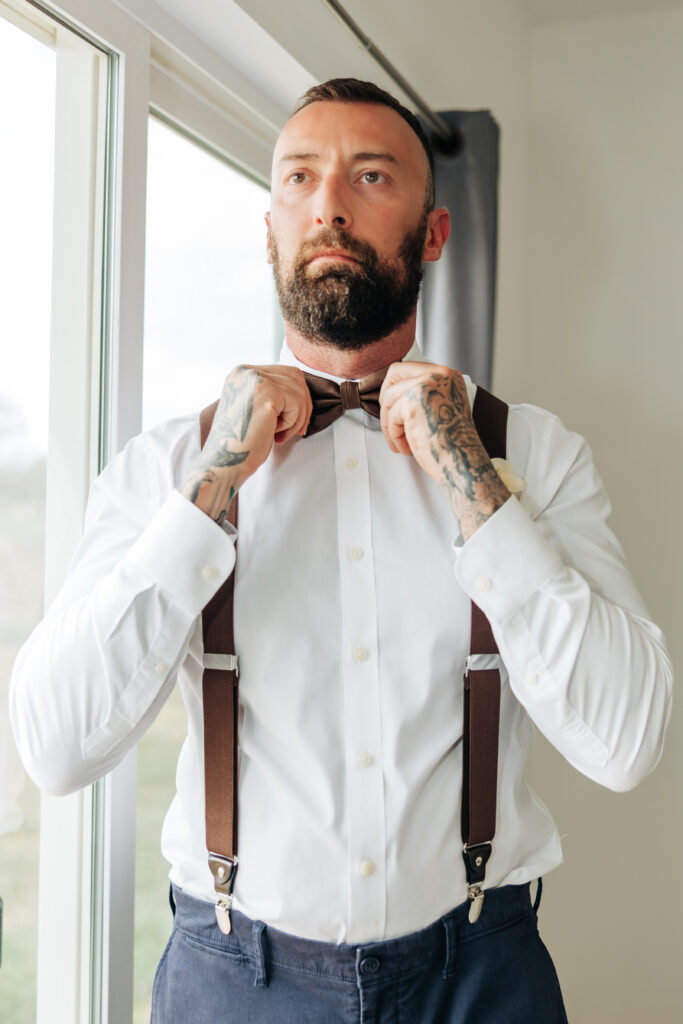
(284, 47)
(565, 10)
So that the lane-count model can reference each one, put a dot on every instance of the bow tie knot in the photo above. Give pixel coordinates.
(331, 400)
(349, 392)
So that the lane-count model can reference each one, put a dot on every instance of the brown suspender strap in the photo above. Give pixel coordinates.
(221, 699)
(220, 696)
(481, 701)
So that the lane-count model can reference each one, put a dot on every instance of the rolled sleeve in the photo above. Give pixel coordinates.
(581, 654)
(97, 670)
(504, 562)
(194, 564)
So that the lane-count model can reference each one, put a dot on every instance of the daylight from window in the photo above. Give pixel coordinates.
(209, 305)
(27, 107)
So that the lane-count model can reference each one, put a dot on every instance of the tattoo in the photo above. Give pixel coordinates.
(231, 422)
(208, 486)
(467, 474)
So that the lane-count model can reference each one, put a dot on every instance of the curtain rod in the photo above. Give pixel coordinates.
(448, 140)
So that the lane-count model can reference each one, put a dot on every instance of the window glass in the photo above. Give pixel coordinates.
(209, 298)
(27, 112)
(209, 304)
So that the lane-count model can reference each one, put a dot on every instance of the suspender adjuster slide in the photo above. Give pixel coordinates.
(223, 662)
(482, 662)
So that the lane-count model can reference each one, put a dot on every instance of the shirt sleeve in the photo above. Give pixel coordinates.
(582, 656)
(96, 671)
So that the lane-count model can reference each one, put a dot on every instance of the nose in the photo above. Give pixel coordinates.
(332, 208)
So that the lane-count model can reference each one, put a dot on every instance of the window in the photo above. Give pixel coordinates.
(209, 304)
(27, 113)
(110, 69)
(209, 298)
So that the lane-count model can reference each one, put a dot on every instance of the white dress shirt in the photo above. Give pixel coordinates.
(352, 627)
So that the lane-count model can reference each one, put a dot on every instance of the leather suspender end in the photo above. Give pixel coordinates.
(476, 859)
(224, 870)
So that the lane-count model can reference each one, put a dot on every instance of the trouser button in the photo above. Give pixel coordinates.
(369, 965)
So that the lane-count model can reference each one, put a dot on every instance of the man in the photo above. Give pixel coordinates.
(360, 549)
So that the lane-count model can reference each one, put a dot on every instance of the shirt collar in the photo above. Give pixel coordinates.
(414, 354)
(288, 358)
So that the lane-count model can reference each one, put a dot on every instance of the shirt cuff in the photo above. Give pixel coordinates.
(185, 553)
(505, 561)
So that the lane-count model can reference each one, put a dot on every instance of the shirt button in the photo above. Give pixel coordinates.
(355, 554)
(364, 759)
(367, 868)
(161, 668)
(209, 572)
(360, 654)
(369, 965)
(532, 679)
(351, 463)
(484, 583)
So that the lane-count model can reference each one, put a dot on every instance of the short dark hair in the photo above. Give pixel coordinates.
(353, 90)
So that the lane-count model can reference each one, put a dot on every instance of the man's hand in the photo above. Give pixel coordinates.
(259, 405)
(425, 412)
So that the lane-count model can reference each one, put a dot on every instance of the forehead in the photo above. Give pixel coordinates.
(323, 129)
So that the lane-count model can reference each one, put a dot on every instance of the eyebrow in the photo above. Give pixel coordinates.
(295, 157)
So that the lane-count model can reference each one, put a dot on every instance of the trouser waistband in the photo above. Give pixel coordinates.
(352, 962)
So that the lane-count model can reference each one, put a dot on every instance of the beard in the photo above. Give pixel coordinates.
(349, 306)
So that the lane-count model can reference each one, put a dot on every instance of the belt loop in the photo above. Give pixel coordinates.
(261, 978)
(448, 923)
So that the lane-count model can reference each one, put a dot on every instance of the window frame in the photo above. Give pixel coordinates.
(145, 65)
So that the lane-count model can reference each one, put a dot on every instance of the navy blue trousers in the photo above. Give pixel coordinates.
(496, 971)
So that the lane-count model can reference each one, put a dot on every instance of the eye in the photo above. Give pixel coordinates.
(297, 178)
(372, 177)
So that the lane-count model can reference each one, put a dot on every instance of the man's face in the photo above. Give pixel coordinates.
(348, 222)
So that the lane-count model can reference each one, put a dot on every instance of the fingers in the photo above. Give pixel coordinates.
(280, 398)
(409, 395)
(395, 409)
(295, 404)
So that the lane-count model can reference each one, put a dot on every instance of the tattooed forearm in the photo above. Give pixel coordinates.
(215, 478)
(212, 490)
(235, 411)
(466, 473)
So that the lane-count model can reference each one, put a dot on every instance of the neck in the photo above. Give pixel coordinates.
(353, 363)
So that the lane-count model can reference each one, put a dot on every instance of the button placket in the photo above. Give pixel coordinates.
(362, 710)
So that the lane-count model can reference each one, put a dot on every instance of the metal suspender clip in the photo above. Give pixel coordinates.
(223, 870)
(476, 857)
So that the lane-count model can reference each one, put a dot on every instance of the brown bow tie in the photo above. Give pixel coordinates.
(330, 400)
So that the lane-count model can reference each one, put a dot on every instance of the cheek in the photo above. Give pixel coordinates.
(286, 234)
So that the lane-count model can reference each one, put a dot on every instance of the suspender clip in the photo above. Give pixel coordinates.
(476, 858)
(224, 870)
(475, 894)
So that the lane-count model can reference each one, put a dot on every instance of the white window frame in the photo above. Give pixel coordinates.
(87, 840)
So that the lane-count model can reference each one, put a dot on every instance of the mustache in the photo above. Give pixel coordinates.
(364, 252)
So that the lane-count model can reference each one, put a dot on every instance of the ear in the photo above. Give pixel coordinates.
(269, 255)
(438, 230)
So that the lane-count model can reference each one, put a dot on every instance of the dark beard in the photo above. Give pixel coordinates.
(349, 306)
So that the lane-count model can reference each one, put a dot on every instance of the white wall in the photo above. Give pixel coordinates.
(472, 55)
(602, 346)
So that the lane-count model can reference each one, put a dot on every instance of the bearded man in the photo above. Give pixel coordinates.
(361, 548)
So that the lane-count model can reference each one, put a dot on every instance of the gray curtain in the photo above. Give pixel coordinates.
(458, 293)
